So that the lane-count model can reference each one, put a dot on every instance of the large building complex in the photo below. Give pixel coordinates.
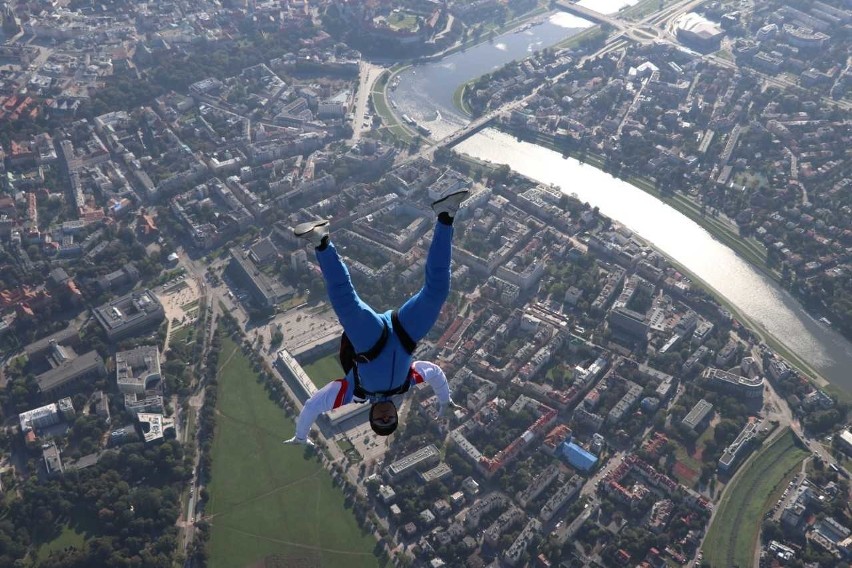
(751, 388)
(265, 291)
(130, 315)
(739, 448)
(423, 457)
(68, 371)
(155, 426)
(695, 30)
(40, 417)
(136, 370)
(137, 374)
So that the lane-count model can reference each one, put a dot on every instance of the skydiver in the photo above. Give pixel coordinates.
(383, 419)
(376, 349)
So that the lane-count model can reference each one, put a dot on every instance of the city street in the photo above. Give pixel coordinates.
(368, 74)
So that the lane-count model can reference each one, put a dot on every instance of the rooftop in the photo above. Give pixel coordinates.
(413, 459)
(135, 368)
(69, 370)
(154, 426)
(124, 314)
(698, 413)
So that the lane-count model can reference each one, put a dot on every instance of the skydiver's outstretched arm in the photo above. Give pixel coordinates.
(329, 397)
(433, 375)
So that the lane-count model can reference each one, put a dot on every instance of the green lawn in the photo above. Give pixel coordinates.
(323, 371)
(402, 21)
(68, 537)
(180, 334)
(725, 54)
(685, 457)
(380, 104)
(268, 499)
(733, 535)
(642, 9)
(460, 100)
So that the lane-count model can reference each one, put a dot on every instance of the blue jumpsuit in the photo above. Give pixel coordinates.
(364, 326)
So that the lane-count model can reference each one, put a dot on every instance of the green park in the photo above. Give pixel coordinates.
(324, 370)
(272, 504)
(732, 537)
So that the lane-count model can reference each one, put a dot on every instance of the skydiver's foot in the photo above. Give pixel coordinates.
(315, 232)
(448, 205)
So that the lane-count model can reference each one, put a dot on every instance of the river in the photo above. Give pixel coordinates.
(426, 94)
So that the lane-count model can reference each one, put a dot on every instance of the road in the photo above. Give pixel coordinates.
(590, 488)
(368, 75)
(186, 521)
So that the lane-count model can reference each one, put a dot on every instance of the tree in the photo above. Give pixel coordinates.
(726, 431)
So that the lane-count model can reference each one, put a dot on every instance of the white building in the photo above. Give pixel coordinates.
(40, 417)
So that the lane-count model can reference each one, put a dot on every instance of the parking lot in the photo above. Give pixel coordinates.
(304, 326)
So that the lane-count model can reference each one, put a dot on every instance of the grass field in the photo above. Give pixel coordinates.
(68, 537)
(402, 21)
(733, 535)
(268, 499)
(181, 333)
(643, 8)
(690, 461)
(323, 371)
(380, 104)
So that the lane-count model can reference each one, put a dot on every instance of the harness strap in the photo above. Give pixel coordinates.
(407, 343)
(365, 357)
(373, 352)
(360, 392)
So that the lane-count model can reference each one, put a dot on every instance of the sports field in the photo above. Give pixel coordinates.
(267, 499)
(323, 371)
(733, 535)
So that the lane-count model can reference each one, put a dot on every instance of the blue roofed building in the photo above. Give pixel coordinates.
(578, 457)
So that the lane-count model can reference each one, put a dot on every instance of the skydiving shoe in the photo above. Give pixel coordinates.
(313, 231)
(450, 203)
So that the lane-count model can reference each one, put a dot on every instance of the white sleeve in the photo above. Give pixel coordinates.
(322, 401)
(436, 378)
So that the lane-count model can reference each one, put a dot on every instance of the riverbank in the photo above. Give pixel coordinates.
(490, 34)
(587, 34)
(751, 251)
(759, 330)
(722, 233)
(379, 98)
(460, 101)
(542, 13)
(732, 537)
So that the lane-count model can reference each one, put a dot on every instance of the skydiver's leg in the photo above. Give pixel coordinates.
(420, 312)
(359, 321)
